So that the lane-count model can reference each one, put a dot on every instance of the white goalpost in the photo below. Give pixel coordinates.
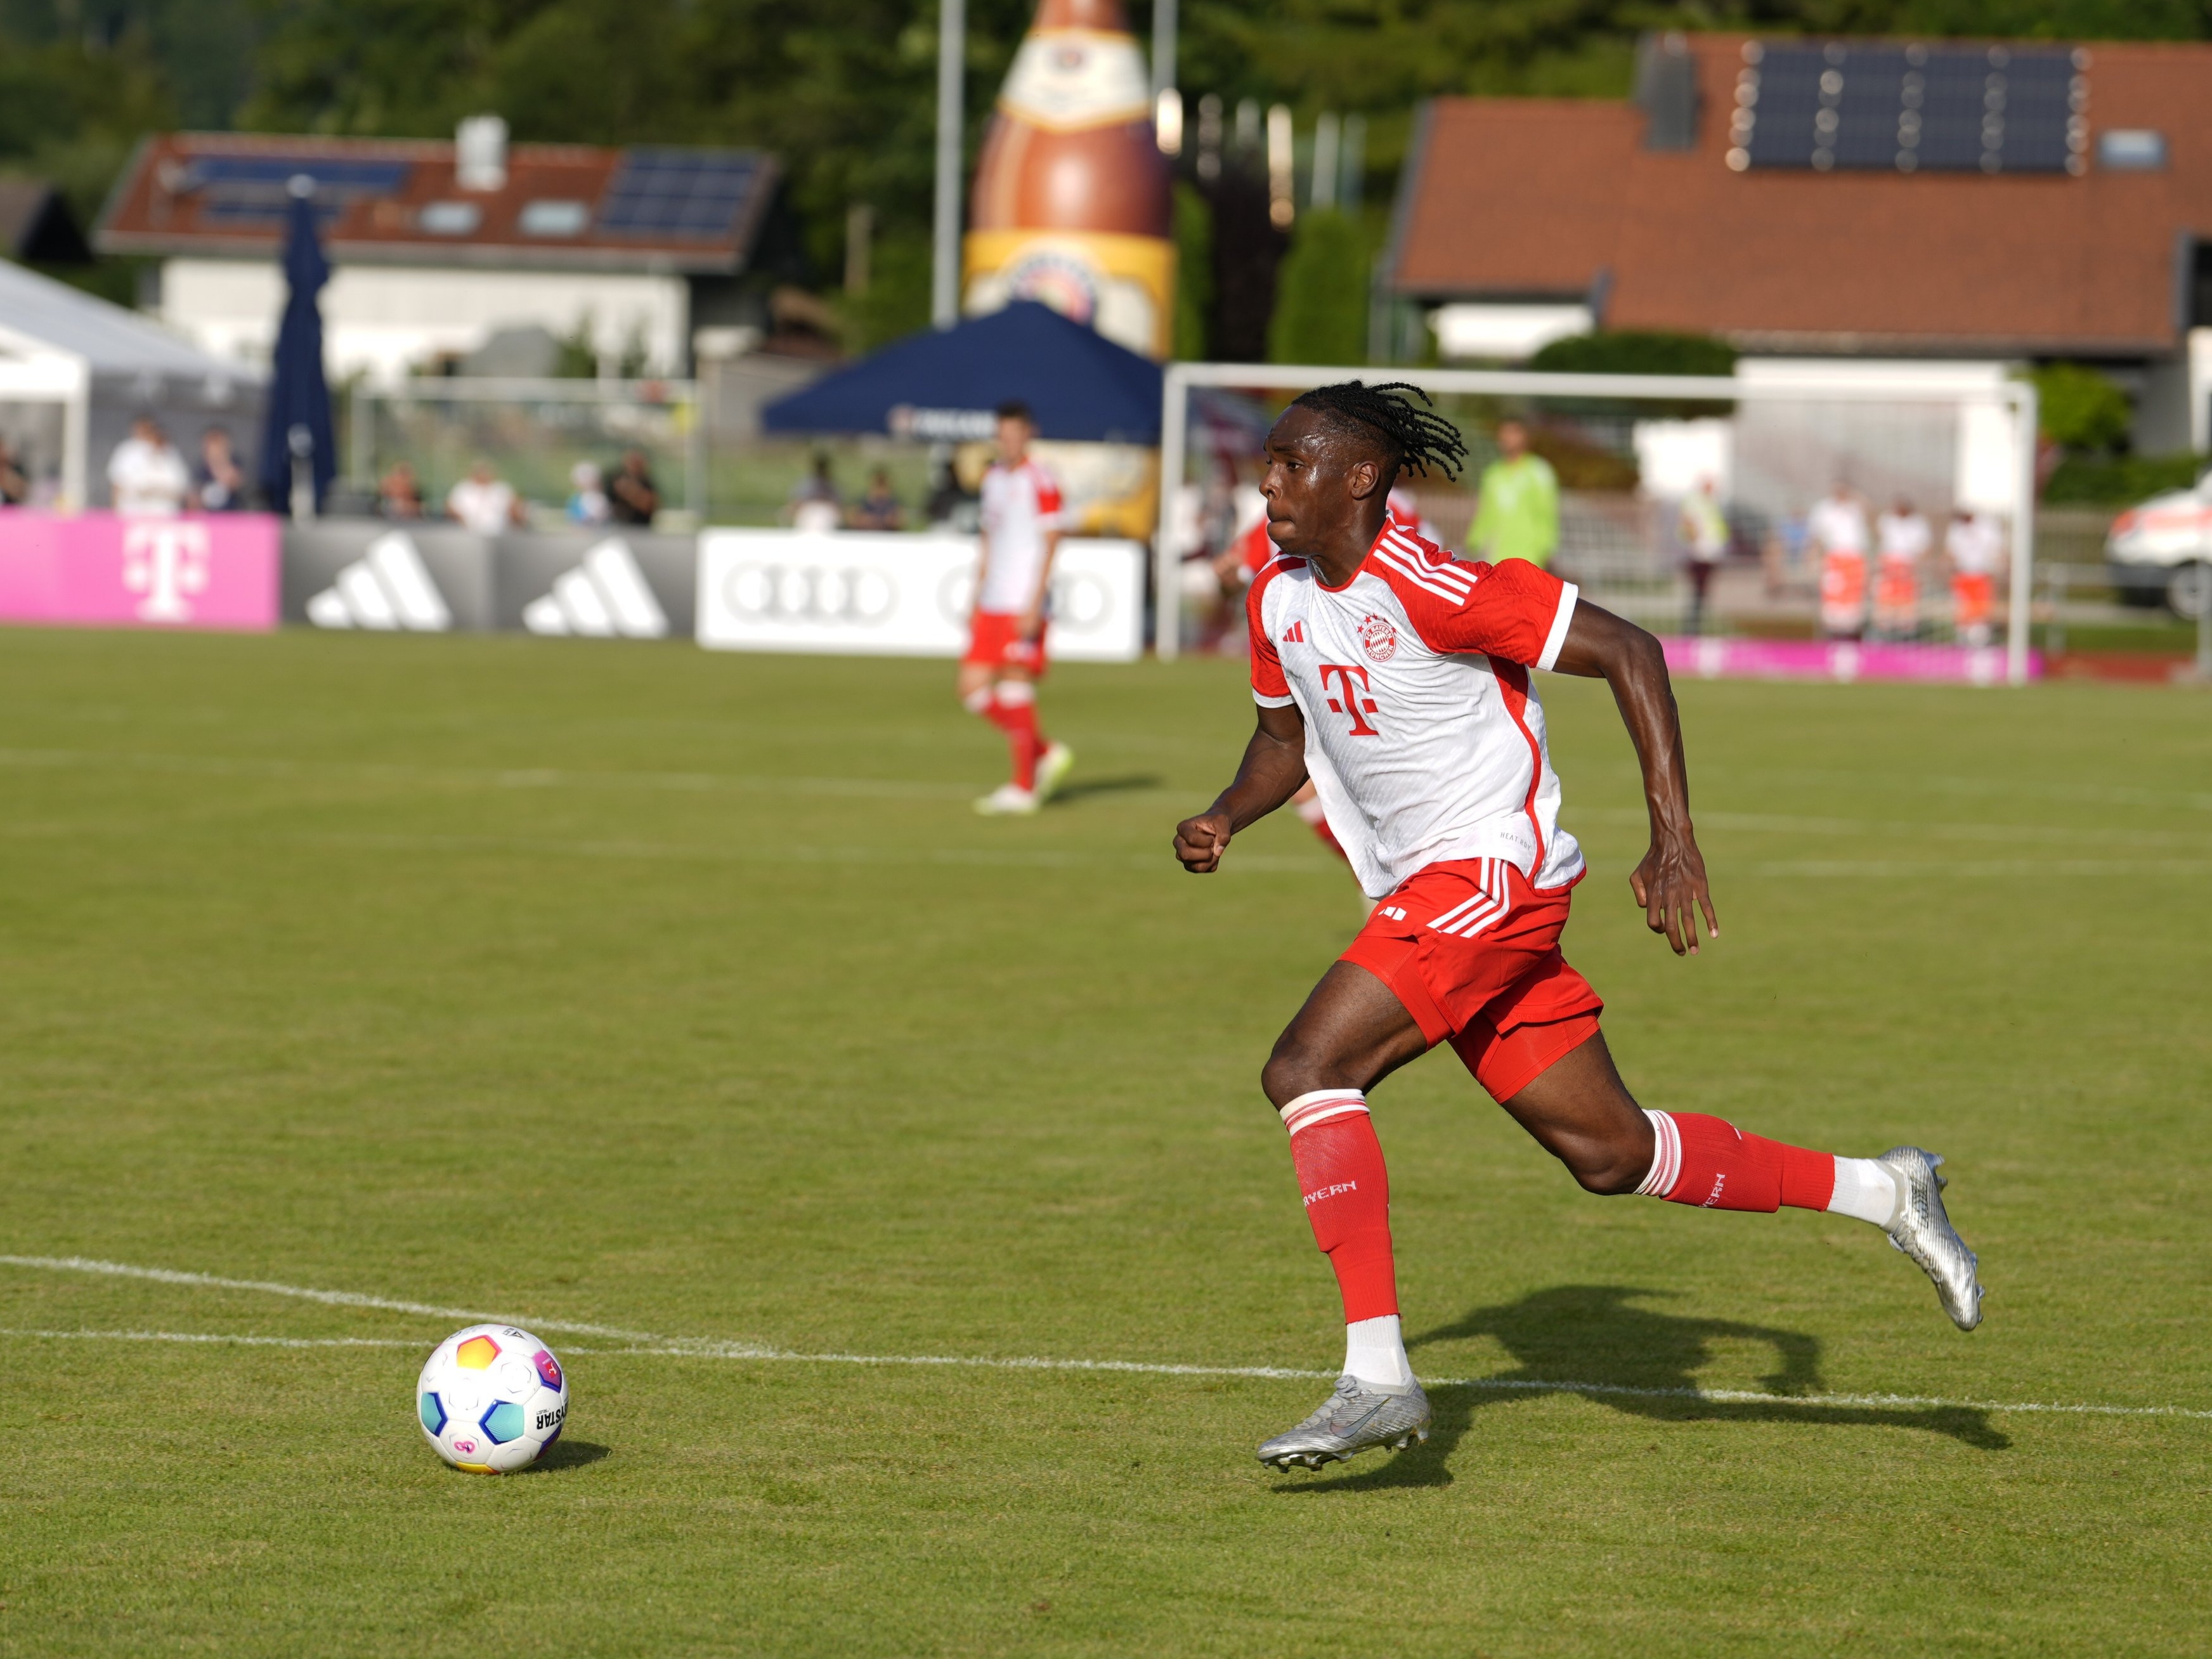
(1784, 419)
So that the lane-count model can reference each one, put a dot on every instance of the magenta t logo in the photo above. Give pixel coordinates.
(167, 560)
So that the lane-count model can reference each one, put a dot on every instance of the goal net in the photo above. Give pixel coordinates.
(1845, 520)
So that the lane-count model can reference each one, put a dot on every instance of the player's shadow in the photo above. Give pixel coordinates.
(1598, 1341)
(567, 1453)
(1115, 786)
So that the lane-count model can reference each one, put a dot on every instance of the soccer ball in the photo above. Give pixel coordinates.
(491, 1398)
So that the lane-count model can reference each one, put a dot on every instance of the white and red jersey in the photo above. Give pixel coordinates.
(1424, 737)
(1976, 546)
(1903, 537)
(1021, 508)
(1839, 526)
(1255, 547)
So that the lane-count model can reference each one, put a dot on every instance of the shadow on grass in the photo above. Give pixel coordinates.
(1082, 787)
(1595, 1341)
(567, 1453)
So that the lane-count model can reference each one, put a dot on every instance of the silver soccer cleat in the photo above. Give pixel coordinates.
(1924, 1232)
(1357, 1416)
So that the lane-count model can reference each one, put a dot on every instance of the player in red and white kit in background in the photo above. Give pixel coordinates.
(1975, 547)
(1838, 526)
(1397, 678)
(1022, 520)
(1247, 556)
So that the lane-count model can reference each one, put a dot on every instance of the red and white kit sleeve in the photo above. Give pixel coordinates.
(1050, 514)
(1511, 610)
(1269, 689)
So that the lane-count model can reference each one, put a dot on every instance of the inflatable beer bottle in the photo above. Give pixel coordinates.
(1071, 204)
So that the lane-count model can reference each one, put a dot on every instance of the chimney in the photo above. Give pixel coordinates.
(480, 153)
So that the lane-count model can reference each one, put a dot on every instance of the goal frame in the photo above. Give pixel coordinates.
(2018, 397)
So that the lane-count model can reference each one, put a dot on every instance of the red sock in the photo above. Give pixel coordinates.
(1347, 1195)
(1013, 711)
(1709, 1162)
(1318, 821)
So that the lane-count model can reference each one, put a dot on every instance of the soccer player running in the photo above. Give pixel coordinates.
(1006, 632)
(1398, 678)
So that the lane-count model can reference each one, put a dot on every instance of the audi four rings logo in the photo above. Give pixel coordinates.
(798, 593)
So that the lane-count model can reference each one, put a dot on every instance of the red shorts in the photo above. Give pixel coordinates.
(994, 640)
(1472, 951)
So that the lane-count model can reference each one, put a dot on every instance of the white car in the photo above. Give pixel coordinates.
(2161, 549)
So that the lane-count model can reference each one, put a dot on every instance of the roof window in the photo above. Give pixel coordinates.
(449, 218)
(555, 218)
(2130, 150)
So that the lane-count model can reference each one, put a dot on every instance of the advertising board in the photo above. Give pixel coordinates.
(105, 570)
(895, 595)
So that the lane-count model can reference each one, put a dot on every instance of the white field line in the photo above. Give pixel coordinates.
(709, 1348)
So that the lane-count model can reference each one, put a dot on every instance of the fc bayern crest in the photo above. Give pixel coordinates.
(1377, 638)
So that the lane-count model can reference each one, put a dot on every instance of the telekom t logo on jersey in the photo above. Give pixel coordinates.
(1348, 682)
(167, 560)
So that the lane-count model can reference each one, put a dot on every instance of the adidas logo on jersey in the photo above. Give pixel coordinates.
(1295, 634)
(388, 587)
(603, 597)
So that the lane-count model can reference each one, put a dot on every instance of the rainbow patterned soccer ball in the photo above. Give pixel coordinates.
(491, 1399)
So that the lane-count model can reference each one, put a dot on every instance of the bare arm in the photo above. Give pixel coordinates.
(1273, 768)
(1671, 879)
(1033, 614)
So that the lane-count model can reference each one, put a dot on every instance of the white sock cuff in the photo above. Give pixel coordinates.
(1312, 811)
(1322, 1105)
(1867, 1190)
(1013, 694)
(976, 702)
(1375, 1352)
(1666, 1156)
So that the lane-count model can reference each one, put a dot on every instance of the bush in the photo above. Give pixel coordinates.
(1194, 293)
(2118, 480)
(2079, 409)
(1632, 352)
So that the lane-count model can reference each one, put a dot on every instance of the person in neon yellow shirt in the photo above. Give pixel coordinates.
(1517, 515)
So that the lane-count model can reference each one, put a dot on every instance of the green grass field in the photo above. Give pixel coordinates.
(683, 994)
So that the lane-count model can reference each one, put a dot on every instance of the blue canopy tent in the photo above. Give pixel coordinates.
(299, 411)
(1080, 387)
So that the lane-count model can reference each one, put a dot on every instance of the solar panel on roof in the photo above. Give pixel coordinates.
(1914, 108)
(690, 194)
(247, 192)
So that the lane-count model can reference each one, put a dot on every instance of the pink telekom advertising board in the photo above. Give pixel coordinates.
(105, 571)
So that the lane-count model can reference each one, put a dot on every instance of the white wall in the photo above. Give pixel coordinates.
(385, 319)
(1508, 333)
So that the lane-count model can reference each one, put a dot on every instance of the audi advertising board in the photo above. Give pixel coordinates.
(893, 595)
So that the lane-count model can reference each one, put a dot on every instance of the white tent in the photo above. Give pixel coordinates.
(75, 370)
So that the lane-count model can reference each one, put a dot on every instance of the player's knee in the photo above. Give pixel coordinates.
(1606, 1168)
(1291, 1071)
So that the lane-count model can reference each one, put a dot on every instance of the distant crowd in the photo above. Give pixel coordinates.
(483, 502)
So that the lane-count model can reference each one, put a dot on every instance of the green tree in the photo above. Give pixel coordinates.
(1193, 298)
(1321, 292)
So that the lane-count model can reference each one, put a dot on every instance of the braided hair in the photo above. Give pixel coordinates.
(1413, 436)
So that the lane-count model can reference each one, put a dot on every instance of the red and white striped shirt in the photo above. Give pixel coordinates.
(1021, 506)
(1423, 736)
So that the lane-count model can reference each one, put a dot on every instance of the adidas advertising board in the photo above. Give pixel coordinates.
(613, 584)
(388, 577)
(862, 593)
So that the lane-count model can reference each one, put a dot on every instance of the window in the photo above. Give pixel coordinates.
(449, 218)
(552, 218)
(2130, 150)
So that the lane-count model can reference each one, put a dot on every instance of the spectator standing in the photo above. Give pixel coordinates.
(1517, 514)
(1902, 539)
(146, 476)
(880, 507)
(219, 482)
(483, 502)
(588, 501)
(1975, 547)
(399, 493)
(15, 485)
(1704, 529)
(814, 506)
(632, 496)
(1837, 526)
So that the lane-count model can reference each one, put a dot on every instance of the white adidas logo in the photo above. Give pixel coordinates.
(603, 597)
(388, 587)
